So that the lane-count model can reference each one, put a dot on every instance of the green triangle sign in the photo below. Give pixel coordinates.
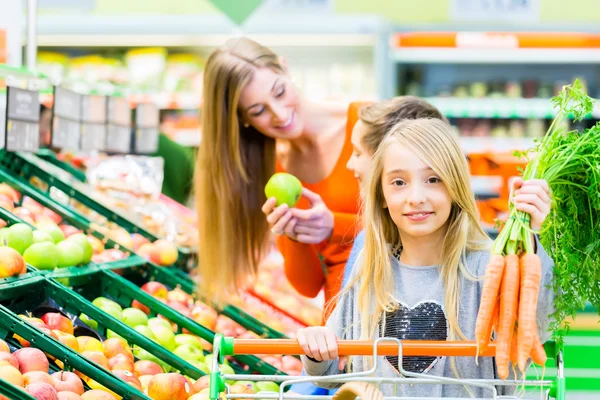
(237, 10)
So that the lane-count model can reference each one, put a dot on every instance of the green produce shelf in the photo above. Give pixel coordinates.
(50, 156)
(30, 168)
(28, 296)
(103, 281)
(66, 214)
(173, 277)
(12, 392)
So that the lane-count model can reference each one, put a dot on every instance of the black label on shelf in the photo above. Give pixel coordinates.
(93, 109)
(22, 120)
(93, 136)
(118, 139)
(66, 116)
(146, 140)
(119, 112)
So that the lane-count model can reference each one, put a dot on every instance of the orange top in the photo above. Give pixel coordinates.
(340, 192)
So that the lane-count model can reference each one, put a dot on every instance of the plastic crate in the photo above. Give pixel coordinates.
(92, 283)
(27, 167)
(172, 277)
(50, 156)
(66, 214)
(29, 294)
(41, 290)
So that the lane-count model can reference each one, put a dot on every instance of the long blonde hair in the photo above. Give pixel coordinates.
(434, 143)
(233, 165)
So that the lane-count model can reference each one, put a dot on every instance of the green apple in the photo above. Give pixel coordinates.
(146, 331)
(70, 254)
(286, 188)
(250, 384)
(88, 321)
(54, 231)
(189, 353)
(145, 355)
(43, 255)
(155, 321)
(41, 236)
(227, 370)
(201, 366)
(111, 334)
(19, 237)
(186, 338)
(267, 386)
(82, 240)
(109, 307)
(134, 317)
(208, 360)
(164, 336)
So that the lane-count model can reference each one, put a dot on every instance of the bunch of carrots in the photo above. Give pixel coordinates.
(570, 163)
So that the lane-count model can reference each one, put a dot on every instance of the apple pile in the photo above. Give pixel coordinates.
(206, 316)
(28, 369)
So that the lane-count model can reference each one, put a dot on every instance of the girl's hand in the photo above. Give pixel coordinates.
(314, 224)
(320, 343)
(280, 218)
(533, 197)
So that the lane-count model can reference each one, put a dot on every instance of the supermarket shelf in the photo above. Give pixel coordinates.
(455, 107)
(495, 56)
(164, 101)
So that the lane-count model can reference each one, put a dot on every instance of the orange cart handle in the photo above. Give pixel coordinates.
(360, 348)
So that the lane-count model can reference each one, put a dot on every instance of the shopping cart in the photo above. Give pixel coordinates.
(222, 346)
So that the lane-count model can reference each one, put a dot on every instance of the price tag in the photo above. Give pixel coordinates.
(22, 120)
(93, 136)
(118, 139)
(147, 121)
(66, 117)
(119, 112)
(146, 140)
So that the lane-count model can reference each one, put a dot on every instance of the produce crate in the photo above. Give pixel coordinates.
(66, 214)
(95, 282)
(42, 291)
(30, 293)
(50, 156)
(35, 171)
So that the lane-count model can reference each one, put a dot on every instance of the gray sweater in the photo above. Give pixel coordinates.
(422, 316)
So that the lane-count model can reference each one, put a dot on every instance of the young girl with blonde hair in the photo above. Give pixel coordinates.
(419, 275)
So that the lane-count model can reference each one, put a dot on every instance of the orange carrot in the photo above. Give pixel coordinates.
(531, 273)
(489, 300)
(538, 353)
(509, 293)
(513, 348)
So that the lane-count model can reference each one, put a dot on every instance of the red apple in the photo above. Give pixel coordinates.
(146, 367)
(54, 217)
(37, 376)
(140, 306)
(178, 295)
(57, 321)
(115, 346)
(4, 347)
(138, 240)
(68, 396)
(156, 289)
(145, 381)
(97, 394)
(6, 203)
(145, 251)
(24, 214)
(202, 383)
(205, 316)
(12, 375)
(96, 243)
(31, 359)
(41, 391)
(68, 340)
(8, 359)
(68, 230)
(9, 192)
(98, 358)
(120, 362)
(170, 386)
(67, 382)
(11, 262)
(164, 253)
(127, 376)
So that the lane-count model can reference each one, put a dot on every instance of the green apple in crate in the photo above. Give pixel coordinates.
(53, 230)
(70, 254)
(41, 236)
(44, 255)
(134, 317)
(82, 240)
(18, 236)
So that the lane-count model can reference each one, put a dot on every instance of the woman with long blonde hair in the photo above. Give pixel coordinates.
(256, 122)
(418, 276)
